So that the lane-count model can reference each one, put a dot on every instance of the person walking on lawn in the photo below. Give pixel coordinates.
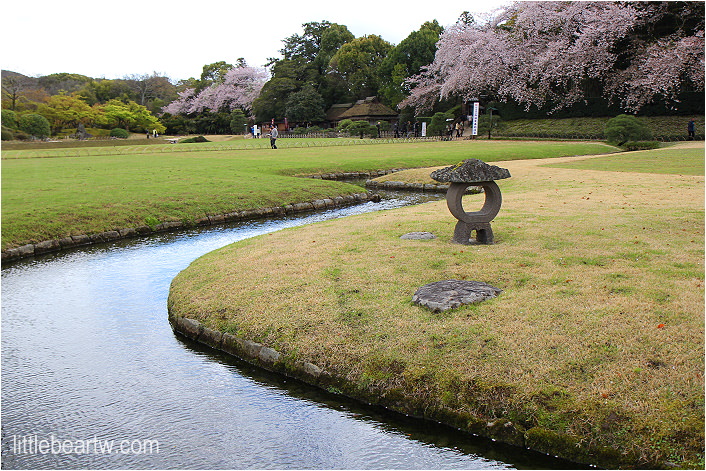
(273, 136)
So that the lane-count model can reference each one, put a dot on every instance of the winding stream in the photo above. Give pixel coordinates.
(94, 377)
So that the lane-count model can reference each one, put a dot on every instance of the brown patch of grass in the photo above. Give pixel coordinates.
(598, 333)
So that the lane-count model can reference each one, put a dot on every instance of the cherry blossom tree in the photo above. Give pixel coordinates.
(553, 53)
(181, 105)
(238, 90)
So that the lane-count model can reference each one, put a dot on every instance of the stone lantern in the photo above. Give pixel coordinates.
(472, 172)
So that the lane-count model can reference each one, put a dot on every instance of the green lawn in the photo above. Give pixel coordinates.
(52, 193)
(678, 161)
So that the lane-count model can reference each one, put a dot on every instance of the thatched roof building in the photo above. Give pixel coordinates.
(369, 109)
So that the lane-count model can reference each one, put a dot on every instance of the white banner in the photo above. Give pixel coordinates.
(424, 129)
(476, 111)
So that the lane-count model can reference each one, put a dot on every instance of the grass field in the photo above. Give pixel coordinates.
(52, 193)
(596, 343)
(684, 159)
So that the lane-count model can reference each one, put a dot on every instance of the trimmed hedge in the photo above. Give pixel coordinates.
(119, 133)
(191, 140)
(640, 145)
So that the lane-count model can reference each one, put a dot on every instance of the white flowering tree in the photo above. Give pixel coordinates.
(239, 88)
(553, 53)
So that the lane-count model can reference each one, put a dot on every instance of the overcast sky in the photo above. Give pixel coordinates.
(117, 38)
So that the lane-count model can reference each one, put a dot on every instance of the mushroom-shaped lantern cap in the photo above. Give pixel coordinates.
(470, 171)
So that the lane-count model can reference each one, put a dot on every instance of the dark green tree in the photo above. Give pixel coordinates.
(273, 98)
(439, 123)
(305, 106)
(357, 63)
(307, 45)
(407, 59)
(35, 125)
(214, 73)
(212, 123)
(332, 38)
(304, 63)
(9, 119)
(238, 121)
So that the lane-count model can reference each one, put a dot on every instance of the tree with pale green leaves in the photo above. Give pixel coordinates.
(67, 111)
(129, 116)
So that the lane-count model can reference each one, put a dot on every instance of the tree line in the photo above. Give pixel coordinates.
(530, 59)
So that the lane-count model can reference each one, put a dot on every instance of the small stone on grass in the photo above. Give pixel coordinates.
(418, 236)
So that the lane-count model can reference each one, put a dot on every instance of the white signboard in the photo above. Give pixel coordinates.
(424, 129)
(476, 111)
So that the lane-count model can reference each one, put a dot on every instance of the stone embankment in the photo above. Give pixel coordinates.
(396, 185)
(55, 245)
(252, 352)
(503, 430)
(383, 185)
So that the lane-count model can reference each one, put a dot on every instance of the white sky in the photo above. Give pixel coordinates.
(116, 38)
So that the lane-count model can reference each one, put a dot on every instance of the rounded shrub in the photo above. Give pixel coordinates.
(191, 140)
(640, 145)
(9, 119)
(7, 134)
(35, 125)
(344, 125)
(362, 128)
(439, 123)
(120, 133)
(624, 128)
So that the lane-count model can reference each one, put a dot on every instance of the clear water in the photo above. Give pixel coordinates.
(90, 362)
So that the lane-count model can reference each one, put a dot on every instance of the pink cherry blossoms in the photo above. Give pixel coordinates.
(240, 87)
(540, 53)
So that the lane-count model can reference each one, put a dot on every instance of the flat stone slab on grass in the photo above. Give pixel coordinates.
(418, 236)
(449, 294)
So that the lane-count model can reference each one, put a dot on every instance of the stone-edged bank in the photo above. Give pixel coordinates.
(56, 245)
(500, 429)
(373, 184)
(399, 185)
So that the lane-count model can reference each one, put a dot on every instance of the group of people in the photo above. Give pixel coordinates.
(457, 128)
(407, 129)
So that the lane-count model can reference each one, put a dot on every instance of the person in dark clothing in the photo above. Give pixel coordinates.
(691, 127)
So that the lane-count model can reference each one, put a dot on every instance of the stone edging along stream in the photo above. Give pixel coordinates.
(56, 245)
(503, 430)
